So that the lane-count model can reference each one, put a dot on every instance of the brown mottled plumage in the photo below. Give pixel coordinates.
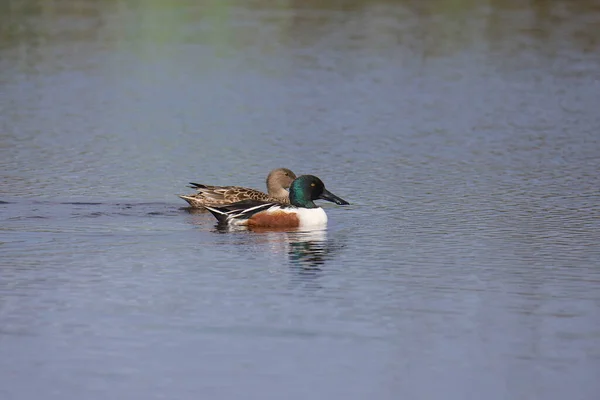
(278, 181)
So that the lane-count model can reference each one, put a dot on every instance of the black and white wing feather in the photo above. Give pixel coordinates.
(241, 210)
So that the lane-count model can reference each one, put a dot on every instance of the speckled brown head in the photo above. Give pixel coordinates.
(278, 181)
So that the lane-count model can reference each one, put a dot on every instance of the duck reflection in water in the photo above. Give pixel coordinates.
(308, 250)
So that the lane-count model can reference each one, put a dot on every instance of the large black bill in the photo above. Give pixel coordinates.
(327, 195)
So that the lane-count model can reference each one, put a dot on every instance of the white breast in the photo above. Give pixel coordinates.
(310, 217)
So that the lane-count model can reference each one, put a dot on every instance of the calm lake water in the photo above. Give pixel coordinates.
(465, 135)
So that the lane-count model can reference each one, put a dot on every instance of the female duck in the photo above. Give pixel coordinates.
(278, 181)
(302, 212)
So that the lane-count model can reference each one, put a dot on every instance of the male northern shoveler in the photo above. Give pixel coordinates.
(278, 181)
(302, 212)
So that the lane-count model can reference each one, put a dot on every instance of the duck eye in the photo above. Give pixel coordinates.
(312, 184)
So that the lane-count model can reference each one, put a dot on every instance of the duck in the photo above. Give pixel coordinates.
(278, 183)
(302, 212)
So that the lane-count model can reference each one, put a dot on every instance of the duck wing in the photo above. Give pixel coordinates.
(241, 210)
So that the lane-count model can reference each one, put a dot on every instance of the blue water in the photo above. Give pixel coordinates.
(464, 135)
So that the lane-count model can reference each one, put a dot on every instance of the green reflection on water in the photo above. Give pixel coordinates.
(150, 29)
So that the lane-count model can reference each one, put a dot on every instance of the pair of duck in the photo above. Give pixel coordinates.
(280, 208)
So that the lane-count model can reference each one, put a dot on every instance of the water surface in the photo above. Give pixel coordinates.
(465, 135)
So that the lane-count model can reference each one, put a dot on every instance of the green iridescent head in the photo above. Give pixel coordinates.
(307, 188)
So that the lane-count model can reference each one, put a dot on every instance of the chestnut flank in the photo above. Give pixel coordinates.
(277, 219)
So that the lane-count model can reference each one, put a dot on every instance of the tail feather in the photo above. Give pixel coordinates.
(221, 216)
(190, 199)
(194, 185)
